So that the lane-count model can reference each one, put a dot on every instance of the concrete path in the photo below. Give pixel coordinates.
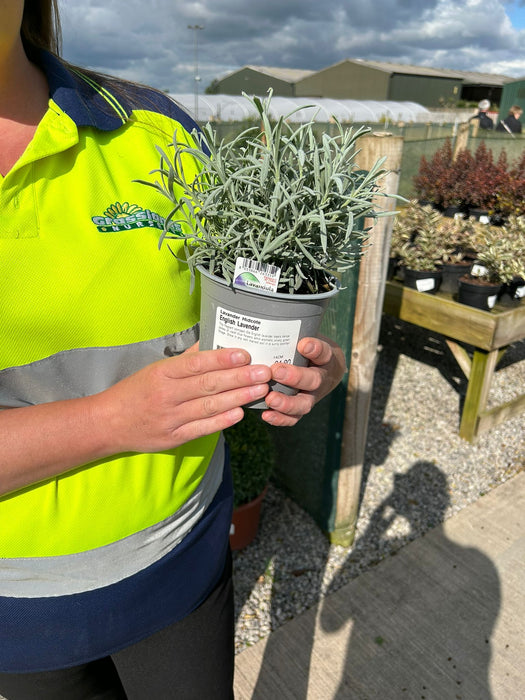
(444, 619)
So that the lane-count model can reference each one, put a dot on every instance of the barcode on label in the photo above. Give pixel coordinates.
(265, 268)
(256, 274)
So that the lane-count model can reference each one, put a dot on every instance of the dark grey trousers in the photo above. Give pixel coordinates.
(190, 660)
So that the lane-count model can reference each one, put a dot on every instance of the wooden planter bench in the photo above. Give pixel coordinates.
(488, 332)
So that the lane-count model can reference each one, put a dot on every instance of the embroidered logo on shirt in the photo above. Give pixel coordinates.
(126, 216)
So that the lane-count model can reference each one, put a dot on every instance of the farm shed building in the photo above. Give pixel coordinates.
(366, 80)
(482, 86)
(373, 80)
(257, 80)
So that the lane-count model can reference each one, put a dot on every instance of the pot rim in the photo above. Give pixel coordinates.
(431, 273)
(273, 295)
(478, 283)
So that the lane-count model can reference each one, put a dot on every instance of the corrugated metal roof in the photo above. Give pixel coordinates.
(468, 77)
(404, 68)
(473, 78)
(289, 75)
(295, 75)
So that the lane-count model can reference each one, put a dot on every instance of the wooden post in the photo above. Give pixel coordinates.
(481, 372)
(461, 139)
(367, 322)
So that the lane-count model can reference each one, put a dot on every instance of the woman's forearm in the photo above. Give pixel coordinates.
(38, 442)
(160, 407)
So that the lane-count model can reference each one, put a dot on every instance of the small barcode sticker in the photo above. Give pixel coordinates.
(257, 275)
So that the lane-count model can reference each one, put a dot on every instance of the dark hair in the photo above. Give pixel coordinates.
(41, 30)
(41, 27)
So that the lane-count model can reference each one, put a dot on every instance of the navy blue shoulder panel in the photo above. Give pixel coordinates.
(87, 107)
(75, 97)
(142, 97)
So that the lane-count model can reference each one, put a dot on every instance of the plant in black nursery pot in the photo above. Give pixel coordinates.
(416, 245)
(499, 261)
(456, 239)
(509, 194)
(513, 233)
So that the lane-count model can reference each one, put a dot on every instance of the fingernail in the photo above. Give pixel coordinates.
(308, 348)
(260, 390)
(275, 400)
(258, 374)
(239, 357)
(236, 414)
(279, 372)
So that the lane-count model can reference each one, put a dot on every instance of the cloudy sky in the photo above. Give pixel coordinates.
(149, 40)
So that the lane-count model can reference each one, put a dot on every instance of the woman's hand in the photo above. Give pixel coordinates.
(182, 398)
(160, 407)
(325, 370)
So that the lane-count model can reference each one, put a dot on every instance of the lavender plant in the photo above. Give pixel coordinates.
(275, 194)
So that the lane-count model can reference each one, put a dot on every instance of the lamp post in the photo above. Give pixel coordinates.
(196, 77)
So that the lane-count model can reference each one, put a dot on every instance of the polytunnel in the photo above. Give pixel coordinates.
(235, 108)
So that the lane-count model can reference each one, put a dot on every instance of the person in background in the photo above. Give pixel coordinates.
(485, 122)
(511, 124)
(115, 491)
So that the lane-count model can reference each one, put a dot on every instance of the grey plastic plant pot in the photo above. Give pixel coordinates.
(268, 325)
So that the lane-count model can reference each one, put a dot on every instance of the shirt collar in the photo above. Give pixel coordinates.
(78, 99)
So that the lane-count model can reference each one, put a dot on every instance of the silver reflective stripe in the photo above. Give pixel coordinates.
(36, 577)
(85, 371)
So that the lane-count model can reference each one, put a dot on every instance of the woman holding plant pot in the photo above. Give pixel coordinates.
(115, 579)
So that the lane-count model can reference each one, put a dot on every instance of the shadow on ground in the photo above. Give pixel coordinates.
(292, 558)
(424, 629)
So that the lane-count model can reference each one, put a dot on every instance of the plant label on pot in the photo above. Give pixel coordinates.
(267, 341)
(491, 301)
(425, 285)
(256, 275)
(478, 270)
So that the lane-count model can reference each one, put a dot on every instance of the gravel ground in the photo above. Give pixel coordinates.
(417, 473)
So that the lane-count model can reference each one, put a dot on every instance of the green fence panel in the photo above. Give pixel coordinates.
(411, 159)
(309, 453)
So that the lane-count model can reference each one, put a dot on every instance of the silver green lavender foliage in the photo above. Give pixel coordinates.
(274, 194)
